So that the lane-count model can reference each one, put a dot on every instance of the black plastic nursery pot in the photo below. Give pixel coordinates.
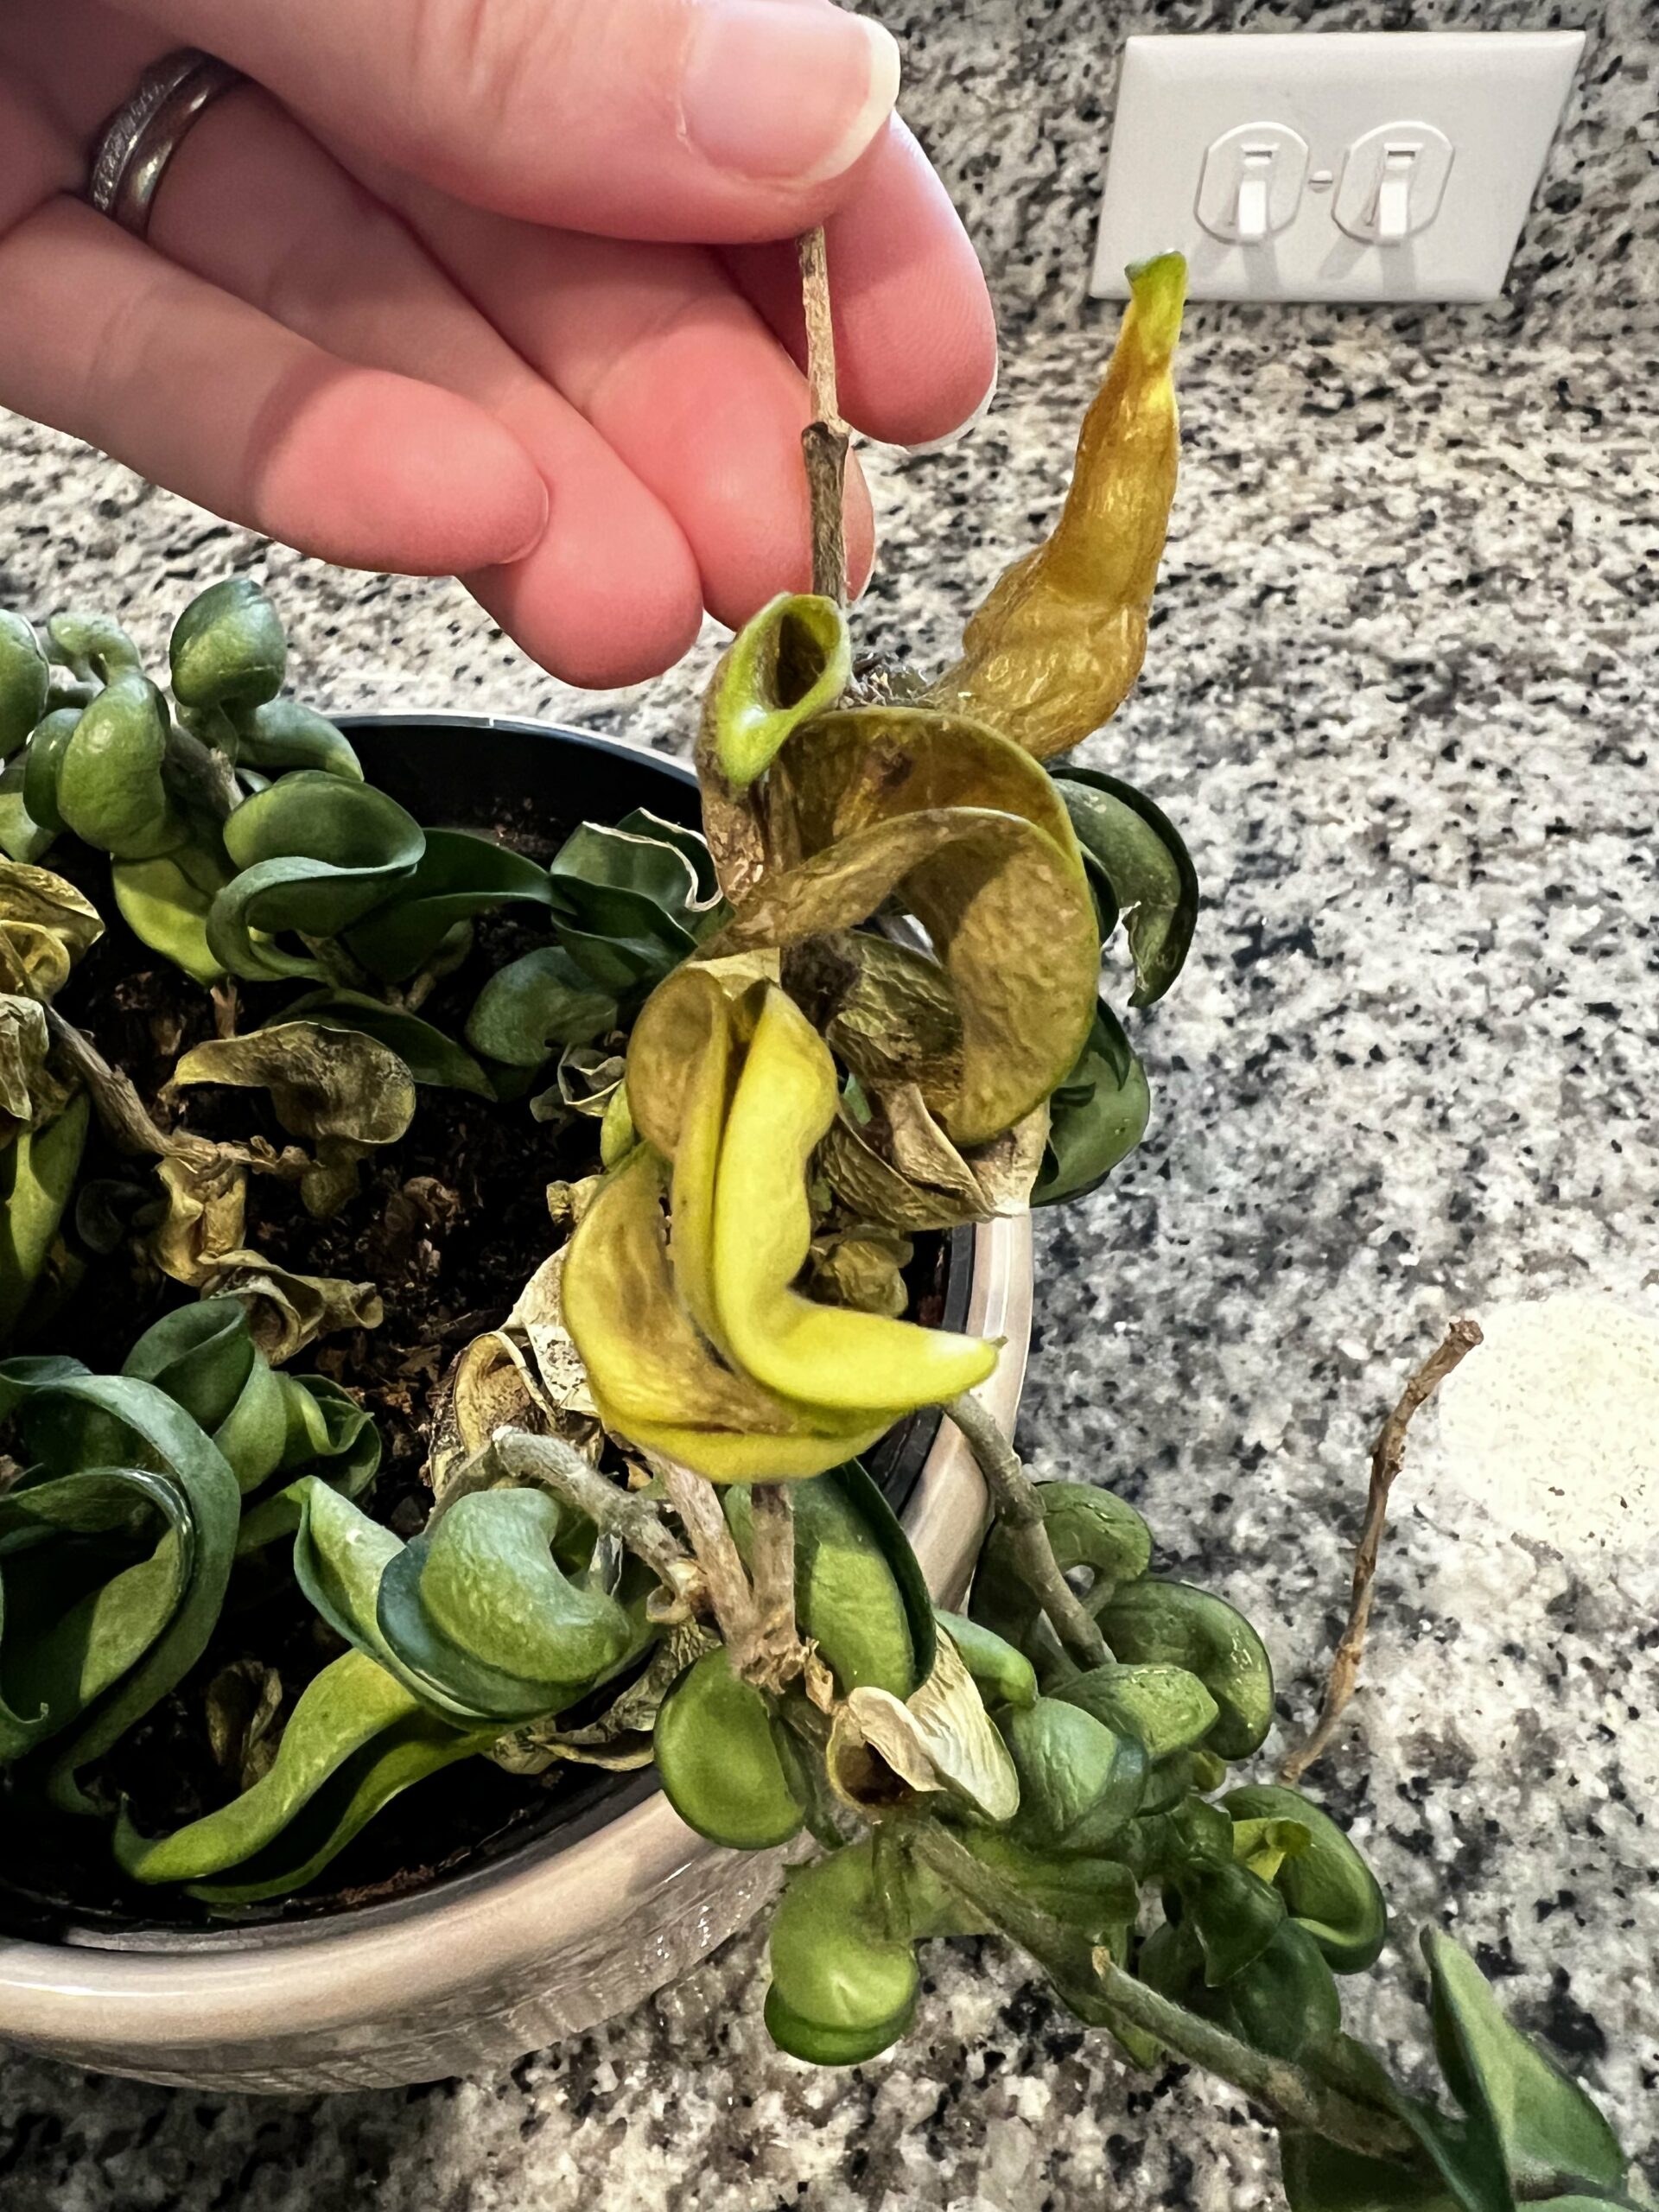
(588, 1894)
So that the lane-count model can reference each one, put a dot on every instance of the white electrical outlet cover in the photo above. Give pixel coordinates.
(1498, 95)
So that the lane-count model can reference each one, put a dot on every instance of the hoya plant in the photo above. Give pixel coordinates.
(864, 1007)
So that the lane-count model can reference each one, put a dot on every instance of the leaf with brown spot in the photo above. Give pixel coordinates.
(45, 926)
(287, 1311)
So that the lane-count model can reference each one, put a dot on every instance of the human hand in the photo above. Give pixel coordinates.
(500, 288)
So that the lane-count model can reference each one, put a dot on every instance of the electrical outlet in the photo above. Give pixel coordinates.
(1332, 165)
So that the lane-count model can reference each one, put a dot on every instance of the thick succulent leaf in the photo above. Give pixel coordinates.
(641, 822)
(227, 649)
(1551, 2137)
(165, 910)
(46, 924)
(784, 1101)
(327, 1429)
(1320, 2176)
(340, 1555)
(1097, 1116)
(715, 1751)
(110, 786)
(282, 733)
(1053, 652)
(22, 838)
(1172, 1624)
(1166, 1709)
(1131, 846)
(94, 647)
(1080, 1782)
(431, 1058)
(482, 1619)
(342, 1089)
(25, 680)
(37, 1174)
(1005, 1676)
(40, 765)
(643, 858)
(458, 877)
(288, 1310)
(161, 1434)
(1327, 1886)
(792, 660)
(314, 855)
(971, 836)
(537, 1004)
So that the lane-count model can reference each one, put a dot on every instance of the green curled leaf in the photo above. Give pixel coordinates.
(42, 764)
(1166, 1709)
(458, 877)
(628, 907)
(1162, 1622)
(22, 838)
(282, 733)
(430, 1057)
(1005, 1676)
(791, 661)
(25, 680)
(110, 788)
(1328, 1886)
(535, 1005)
(1141, 871)
(315, 853)
(1080, 1784)
(37, 1174)
(1097, 1114)
(227, 649)
(1088, 1527)
(95, 648)
(844, 1979)
(329, 1433)
(159, 1433)
(165, 910)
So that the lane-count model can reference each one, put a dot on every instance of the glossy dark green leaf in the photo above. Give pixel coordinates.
(1097, 1115)
(537, 1004)
(1328, 1887)
(1170, 1624)
(40, 765)
(282, 733)
(459, 877)
(93, 647)
(1080, 1784)
(227, 649)
(716, 1755)
(1164, 1708)
(430, 1057)
(110, 787)
(1551, 2137)
(1321, 2177)
(1135, 853)
(1285, 2001)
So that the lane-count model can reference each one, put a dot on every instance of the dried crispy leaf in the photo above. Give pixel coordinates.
(341, 1088)
(619, 1739)
(862, 1268)
(489, 1386)
(206, 1217)
(538, 1316)
(1054, 650)
(430, 1057)
(972, 836)
(900, 1168)
(45, 927)
(288, 1310)
(587, 1080)
(28, 1090)
(243, 1702)
(939, 1738)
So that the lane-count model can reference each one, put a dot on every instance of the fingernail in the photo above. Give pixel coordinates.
(794, 94)
(972, 423)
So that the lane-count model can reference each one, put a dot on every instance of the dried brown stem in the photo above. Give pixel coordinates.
(556, 1467)
(698, 1507)
(825, 441)
(131, 1128)
(1387, 1458)
(778, 1647)
(1018, 1508)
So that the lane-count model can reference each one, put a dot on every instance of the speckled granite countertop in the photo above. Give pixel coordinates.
(1401, 697)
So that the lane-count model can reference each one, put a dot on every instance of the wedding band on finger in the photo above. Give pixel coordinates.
(143, 136)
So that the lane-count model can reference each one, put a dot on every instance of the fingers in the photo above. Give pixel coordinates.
(609, 593)
(106, 340)
(694, 119)
(678, 374)
(915, 334)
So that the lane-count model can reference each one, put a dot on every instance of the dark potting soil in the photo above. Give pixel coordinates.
(448, 1225)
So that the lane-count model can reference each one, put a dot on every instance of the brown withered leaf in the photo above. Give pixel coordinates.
(344, 1090)
(900, 1169)
(938, 1739)
(888, 1012)
(45, 926)
(537, 1319)
(862, 1267)
(29, 1091)
(205, 1217)
(286, 1311)
(243, 1702)
(969, 832)
(568, 1202)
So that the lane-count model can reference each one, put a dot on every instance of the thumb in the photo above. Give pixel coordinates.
(712, 120)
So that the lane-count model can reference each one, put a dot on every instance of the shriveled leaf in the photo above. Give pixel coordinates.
(28, 1091)
(940, 1739)
(459, 876)
(490, 1385)
(430, 1057)
(862, 1268)
(587, 1082)
(619, 1739)
(886, 1011)
(340, 1088)
(288, 1310)
(1134, 852)
(242, 1703)
(537, 1319)
(535, 1005)
(1097, 1116)
(206, 1217)
(1054, 650)
(972, 838)
(45, 927)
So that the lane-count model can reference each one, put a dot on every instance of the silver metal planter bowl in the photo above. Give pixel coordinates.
(567, 1932)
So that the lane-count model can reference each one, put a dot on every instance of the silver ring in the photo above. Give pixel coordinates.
(141, 138)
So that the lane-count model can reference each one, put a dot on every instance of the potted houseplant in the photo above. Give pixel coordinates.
(644, 1526)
